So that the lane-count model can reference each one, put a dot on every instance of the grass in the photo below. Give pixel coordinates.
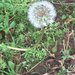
(19, 47)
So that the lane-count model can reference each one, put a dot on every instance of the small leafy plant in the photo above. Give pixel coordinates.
(20, 51)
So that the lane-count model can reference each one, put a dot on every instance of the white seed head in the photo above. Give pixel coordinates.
(41, 14)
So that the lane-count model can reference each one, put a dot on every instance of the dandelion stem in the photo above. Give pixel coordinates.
(17, 49)
(42, 33)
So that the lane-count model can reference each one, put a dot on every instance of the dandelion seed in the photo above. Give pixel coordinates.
(41, 14)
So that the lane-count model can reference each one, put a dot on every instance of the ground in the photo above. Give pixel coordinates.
(26, 50)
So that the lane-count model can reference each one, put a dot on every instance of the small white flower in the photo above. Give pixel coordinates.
(41, 14)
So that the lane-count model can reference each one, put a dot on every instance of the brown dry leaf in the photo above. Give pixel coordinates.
(17, 58)
(69, 20)
(71, 73)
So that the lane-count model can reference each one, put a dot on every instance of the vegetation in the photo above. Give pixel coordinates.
(23, 48)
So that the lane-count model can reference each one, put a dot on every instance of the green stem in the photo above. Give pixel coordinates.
(42, 33)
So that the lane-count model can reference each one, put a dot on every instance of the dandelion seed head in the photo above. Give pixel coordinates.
(41, 13)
